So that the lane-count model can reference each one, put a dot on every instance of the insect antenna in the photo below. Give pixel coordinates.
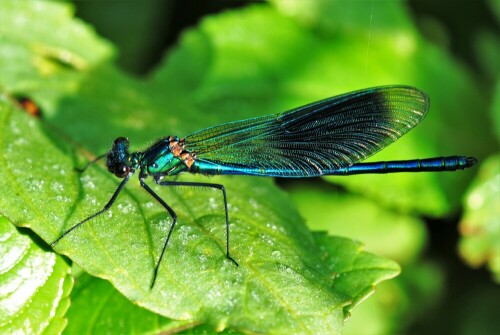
(81, 170)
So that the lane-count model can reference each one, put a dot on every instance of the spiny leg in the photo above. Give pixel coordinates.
(106, 207)
(216, 186)
(174, 220)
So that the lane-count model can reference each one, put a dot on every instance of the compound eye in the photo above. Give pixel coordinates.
(121, 170)
(120, 140)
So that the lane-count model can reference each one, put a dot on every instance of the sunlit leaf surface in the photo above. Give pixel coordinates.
(34, 284)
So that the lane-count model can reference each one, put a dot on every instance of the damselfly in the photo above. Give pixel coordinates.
(328, 137)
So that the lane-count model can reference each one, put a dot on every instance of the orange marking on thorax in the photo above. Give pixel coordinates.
(177, 149)
(176, 146)
(187, 158)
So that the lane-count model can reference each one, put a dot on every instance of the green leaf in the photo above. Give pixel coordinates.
(96, 300)
(35, 284)
(276, 279)
(384, 232)
(355, 272)
(480, 227)
(98, 308)
(38, 54)
(32, 24)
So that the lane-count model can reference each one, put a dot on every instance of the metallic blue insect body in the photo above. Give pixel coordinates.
(329, 137)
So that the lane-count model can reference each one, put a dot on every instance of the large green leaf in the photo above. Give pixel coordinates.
(278, 278)
(34, 282)
(282, 285)
(97, 301)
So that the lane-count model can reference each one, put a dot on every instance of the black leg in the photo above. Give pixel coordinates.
(216, 186)
(174, 220)
(108, 205)
(81, 170)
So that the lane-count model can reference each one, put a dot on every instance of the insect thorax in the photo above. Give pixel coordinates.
(168, 157)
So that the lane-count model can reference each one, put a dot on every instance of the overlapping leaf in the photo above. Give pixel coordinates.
(34, 284)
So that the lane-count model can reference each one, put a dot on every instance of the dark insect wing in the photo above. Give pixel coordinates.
(314, 139)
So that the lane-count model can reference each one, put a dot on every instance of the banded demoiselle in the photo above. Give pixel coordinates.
(328, 137)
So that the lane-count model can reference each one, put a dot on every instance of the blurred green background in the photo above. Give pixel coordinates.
(252, 58)
(437, 293)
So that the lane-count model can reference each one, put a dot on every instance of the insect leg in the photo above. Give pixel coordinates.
(174, 220)
(216, 186)
(108, 205)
